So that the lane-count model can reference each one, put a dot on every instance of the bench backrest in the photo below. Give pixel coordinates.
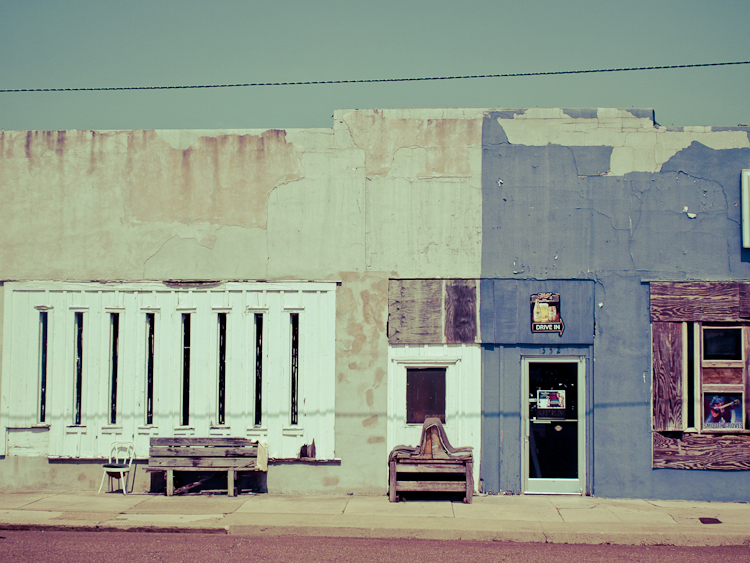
(213, 452)
(203, 447)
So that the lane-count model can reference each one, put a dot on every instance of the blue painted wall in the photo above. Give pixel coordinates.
(553, 216)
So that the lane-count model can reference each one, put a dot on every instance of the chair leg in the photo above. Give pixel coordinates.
(122, 483)
(100, 486)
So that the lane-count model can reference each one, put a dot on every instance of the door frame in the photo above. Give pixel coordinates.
(553, 486)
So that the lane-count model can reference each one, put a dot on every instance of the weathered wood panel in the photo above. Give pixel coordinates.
(701, 451)
(415, 311)
(217, 441)
(746, 342)
(695, 301)
(430, 468)
(460, 311)
(722, 376)
(744, 300)
(208, 463)
(432, 486)
(667, 376)
(203, 451)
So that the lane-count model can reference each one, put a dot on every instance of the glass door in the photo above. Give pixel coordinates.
(553, 410)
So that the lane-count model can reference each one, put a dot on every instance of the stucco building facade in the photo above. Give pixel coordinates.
(313, 275)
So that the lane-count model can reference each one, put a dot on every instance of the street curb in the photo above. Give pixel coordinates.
(656, 538)
(86, 528)
(511, 536)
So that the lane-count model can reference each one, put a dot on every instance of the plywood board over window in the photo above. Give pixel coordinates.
(667, 382)
(433, 311)
(700, 358)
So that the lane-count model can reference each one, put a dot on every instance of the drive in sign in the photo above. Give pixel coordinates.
(545, 313)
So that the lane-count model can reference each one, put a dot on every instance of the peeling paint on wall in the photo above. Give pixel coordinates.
(547, 220)
(638, 144)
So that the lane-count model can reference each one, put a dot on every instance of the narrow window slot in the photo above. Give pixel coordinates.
(185, 369)
(43, 366)
(294, 317)
(150, 323)
(114, 334)
(258, 369)
(78, 326)
(222, 366)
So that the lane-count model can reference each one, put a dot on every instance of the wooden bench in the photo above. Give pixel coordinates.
(432, 466)
(206, 454)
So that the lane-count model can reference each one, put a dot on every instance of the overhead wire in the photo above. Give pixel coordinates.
(368, 81)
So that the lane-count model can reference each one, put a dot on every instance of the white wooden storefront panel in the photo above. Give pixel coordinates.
(20, 393)
(463, 401)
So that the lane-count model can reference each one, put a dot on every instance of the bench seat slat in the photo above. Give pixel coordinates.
(206, 441)
(203, 451)
(206, 469)
(208, 463)
(433, 486)
(430, 468)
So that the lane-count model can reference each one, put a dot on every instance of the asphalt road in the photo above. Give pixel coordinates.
(133, 547)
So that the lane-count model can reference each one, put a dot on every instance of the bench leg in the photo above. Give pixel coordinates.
(392, 496)
(170, 482)
(469, 482)
(230, 482)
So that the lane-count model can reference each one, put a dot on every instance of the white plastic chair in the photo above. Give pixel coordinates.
(120, 459)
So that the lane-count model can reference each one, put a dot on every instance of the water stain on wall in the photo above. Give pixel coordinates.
(445, 141)
(371, 421)
(225, 179)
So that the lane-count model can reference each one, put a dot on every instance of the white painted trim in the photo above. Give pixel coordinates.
(745, 208)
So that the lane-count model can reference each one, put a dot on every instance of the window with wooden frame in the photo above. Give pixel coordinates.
(722, 378)
(700, 354)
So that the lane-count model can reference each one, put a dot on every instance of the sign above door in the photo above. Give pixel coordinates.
(546, 315)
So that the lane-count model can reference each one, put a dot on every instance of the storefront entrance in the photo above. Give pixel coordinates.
(553, 418)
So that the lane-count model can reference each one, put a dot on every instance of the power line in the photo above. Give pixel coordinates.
(370, 81)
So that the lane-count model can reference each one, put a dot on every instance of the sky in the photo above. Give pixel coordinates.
(107, 43)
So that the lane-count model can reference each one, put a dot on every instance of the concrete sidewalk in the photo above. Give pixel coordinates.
(553, 519)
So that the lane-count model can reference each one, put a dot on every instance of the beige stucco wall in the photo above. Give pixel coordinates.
(383, 193)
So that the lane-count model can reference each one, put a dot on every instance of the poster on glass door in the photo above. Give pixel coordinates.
(545, 313)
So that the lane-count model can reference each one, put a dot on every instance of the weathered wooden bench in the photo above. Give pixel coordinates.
(232, 455)
(433, 466)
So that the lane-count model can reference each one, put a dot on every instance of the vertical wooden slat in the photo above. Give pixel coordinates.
(469, 481)
(745, 300)
(460, 311)
(685, 375)
(746, 343)
(667, 376)
(696, 375)
(392, 497)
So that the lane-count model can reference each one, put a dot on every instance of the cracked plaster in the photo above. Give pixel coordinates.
(547, 220)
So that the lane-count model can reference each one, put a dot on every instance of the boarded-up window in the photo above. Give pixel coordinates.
(700, 343)
(432, 312)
